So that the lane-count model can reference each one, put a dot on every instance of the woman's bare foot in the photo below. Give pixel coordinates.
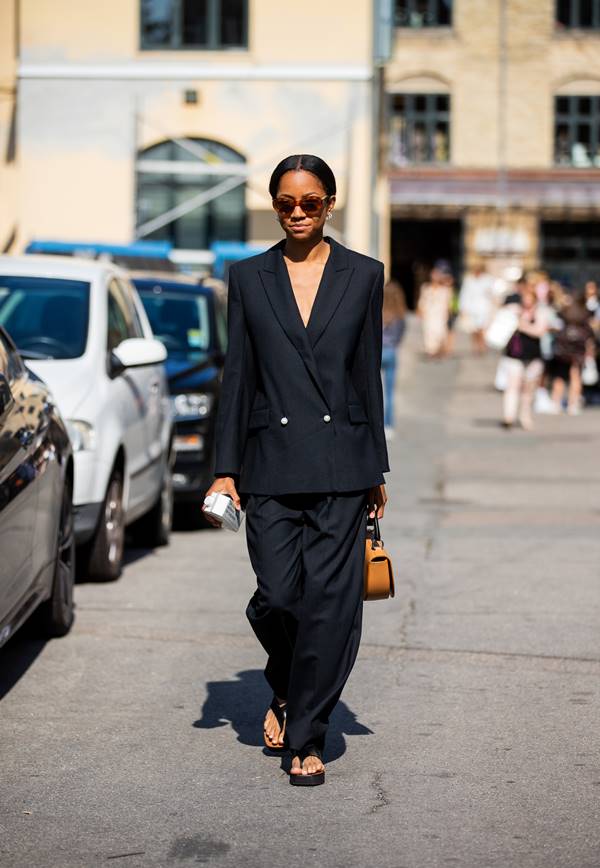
(312, 765)
(274, 732)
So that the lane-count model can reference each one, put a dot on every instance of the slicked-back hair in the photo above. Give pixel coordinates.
(306, 163)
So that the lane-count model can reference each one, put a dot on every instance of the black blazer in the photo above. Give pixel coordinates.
(301, 409)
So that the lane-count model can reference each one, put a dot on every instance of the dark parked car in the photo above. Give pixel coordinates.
(191, 320)
(37, 547)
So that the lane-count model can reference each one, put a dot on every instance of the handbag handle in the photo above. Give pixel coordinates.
(374, 523)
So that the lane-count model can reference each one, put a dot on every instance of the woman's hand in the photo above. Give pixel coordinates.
(377, 499)
(222, 485)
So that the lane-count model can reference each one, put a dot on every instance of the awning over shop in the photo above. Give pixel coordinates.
(540, 190)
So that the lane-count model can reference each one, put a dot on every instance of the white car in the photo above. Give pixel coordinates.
(82, 328)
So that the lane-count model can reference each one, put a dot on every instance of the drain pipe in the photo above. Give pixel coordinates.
(382, 52)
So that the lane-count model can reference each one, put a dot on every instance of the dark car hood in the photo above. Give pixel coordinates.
(184, 375)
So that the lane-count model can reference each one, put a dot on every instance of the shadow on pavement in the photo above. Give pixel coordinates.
(17, 656)
(488, 423)
(131, 554)
(243, 703)
(185, 519)
(189, 517)
(135, 553)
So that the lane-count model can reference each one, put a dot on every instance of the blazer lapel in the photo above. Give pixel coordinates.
(277, 286)
(336, 278)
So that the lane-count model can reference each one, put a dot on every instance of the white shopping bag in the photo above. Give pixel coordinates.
(589, 373)
(502, 327)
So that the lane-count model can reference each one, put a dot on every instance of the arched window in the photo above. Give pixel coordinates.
(191, 192)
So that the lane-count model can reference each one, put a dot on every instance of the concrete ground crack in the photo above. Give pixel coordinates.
(428, 547)
(381, 798)
(406, 616)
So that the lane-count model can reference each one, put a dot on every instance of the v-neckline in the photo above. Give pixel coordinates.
(321, 282)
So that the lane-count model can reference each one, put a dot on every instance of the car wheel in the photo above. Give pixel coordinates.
(154, 528)
(106, 552)
(57, 613)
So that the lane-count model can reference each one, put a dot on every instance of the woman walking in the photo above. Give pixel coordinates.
(573, 343)
(524, 366)
(394, 326)
(476, 304)
(433, 307)
(301, 445)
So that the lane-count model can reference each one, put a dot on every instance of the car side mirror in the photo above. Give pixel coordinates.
(6, 398)
(136, 353)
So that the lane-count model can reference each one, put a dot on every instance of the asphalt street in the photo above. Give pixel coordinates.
(467, 735)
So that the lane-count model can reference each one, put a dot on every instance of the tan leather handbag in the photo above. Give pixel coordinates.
(379, 575)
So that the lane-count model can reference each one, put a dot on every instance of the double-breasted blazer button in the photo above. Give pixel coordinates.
(327, 417)
(284, 420)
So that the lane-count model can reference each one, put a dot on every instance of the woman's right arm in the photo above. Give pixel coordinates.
(237, 394)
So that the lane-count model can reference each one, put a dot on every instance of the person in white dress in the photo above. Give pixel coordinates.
(476, 305)
(433, 308)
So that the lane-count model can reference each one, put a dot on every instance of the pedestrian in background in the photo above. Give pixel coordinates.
(453, 313)
(394, 328)
(511, 298)
(553, 301)
(573, 343)
(476, 304)
(524, 366)
(300, 437)
(592, 299)
(433, 308)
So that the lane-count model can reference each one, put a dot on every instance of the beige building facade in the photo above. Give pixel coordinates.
(8, 121)
(154, 119)
(477, 138)
(493, 136)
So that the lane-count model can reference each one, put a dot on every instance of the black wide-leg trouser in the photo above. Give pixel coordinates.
(307, 551)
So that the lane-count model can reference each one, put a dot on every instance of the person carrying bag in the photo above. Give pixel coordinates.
(300, 443)
(523, 360)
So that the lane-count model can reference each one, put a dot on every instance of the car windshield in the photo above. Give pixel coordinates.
(180, 320)
(47, 318)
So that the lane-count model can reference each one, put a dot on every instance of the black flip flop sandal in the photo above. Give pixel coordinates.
(308, 780)
(281, 716)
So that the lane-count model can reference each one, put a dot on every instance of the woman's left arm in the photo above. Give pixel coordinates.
(372, 337)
